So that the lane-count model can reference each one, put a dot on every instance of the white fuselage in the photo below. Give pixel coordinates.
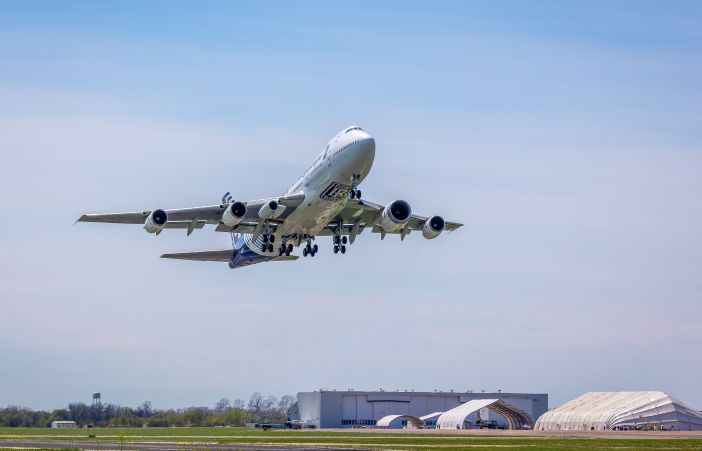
(344, 163)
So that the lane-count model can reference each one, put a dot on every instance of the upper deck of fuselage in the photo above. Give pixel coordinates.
(352, 144)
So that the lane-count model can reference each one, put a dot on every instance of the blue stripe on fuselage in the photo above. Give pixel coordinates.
(243, 255)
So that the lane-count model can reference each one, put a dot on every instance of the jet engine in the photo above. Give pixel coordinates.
(433, 227)
(234, 214)
(270, 210)
(395, 215)
(156, 221)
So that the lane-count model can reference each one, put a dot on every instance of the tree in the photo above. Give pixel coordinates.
(284, 404)
(238, 404)
(222, 406)
(144, 410)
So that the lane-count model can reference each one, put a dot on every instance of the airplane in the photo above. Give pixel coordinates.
(324, 201)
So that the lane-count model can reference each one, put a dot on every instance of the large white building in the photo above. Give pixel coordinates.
(346, 409)
(622, 410)
(63, 425)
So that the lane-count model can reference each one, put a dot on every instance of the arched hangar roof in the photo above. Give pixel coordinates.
(386, 420)
(454, 418)
(430, 415)
(607, 410)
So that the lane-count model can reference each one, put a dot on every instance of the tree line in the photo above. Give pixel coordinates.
(259, 409)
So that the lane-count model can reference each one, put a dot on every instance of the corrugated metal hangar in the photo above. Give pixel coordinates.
(346, 409)
(622, 410)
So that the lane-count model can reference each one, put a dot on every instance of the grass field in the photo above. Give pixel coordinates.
(375, 439)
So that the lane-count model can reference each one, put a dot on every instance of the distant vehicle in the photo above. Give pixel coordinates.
(324, 201)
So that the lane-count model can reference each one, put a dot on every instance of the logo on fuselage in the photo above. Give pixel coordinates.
(335, 191)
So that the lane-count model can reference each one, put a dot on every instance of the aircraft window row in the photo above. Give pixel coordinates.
(345, 147)
(353, 128)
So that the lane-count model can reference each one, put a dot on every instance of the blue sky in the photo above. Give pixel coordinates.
(565, 136)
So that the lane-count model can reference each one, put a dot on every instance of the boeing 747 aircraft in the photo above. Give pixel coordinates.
(324, 201)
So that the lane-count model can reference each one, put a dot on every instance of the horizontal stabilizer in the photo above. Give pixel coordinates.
(204, 256)
(217, 256)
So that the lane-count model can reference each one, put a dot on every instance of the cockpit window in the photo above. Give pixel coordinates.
(352, 128)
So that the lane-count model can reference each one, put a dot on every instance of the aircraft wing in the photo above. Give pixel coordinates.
(197, 217)
(367, 214)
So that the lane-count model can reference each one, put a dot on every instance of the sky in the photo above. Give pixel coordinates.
(566, 136)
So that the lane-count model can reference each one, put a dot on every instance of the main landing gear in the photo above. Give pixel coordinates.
(339, 244)
(310, 250)
(355, 194)
(268, 240)
(285, 249)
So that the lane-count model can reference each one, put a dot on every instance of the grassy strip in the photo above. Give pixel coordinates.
(380, 440)
(196, 432)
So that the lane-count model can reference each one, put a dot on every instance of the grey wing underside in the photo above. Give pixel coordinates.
(197, 217)
(367, 215)
(362, 213)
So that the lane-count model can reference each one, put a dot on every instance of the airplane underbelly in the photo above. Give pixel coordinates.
(311, 217)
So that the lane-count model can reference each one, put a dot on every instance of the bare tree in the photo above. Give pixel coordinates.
(284, 404)
(223, 405)
(260, 407)
(239, 404)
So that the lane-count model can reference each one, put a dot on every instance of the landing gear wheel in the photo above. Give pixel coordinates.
(358, 194)
(315, 248)
(336, 249)
(290, 248)
(264, 247)
(271, 239)
(343, 249)
(337, 240)
(344, 239)
(352, 194)
(265, 238)
(280, 252)
(304, 252)
(270, 247)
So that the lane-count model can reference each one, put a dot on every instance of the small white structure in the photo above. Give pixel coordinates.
(63, 425)
(625, 410)
(456, 417)
(400, 422)
(430, 419)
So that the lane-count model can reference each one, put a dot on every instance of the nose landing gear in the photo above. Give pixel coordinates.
(355, 193)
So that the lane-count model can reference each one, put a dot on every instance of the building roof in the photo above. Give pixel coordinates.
(607, 410)
(386, 420)
(429, 416)
(454, 418)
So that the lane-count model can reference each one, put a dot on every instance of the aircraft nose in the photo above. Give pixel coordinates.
(368, 144)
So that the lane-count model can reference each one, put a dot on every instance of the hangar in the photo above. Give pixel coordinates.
(458, 417)
(351, 408)
(622, 410)
(399, 421)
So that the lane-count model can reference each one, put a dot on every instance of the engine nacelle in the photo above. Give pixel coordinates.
(156, 221)
(234, 214)
(395, 215)
(270, 210)
(433, 227)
